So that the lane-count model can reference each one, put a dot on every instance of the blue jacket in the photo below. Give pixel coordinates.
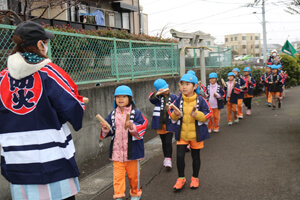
(220, 91)
(234, 93)
(241, 83)
(201, 128)
(135, 145)
(37, 145)
(275, 87)
(158, 110)
(249, 86)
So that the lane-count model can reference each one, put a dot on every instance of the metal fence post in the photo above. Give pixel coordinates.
(172, 58)
(49, 50)
(195, 58)
(219, 57)
(116, 59)
(131, 60)
(155, 59)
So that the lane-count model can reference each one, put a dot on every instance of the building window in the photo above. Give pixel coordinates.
(251, 38)
(236, 47)
(244, 38)
(118, 20)
(244, 46)
(235, 38)
(257, 55)
(232, 39)
(257, 46)
(125, 20)
(256, 38)
(251, 46)
(207, 43)
(226, 39)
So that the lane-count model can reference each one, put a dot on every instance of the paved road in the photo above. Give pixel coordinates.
(259, 158)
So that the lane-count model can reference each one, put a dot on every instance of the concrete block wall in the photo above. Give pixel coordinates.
(101, 99)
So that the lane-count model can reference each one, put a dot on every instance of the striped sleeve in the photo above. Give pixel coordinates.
(141, 123)
(237, 89)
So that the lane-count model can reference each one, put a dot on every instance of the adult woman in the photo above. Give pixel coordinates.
(37, 98)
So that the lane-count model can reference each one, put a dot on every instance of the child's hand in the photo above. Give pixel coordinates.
(176, 112)
(194, 112)
(276, 81)
(128, 124)
(103, 125)
(215, 95)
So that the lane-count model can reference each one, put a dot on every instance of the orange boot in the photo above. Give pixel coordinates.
(179, 184)
(194, 183)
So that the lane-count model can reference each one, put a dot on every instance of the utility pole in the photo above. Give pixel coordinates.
(264, 33)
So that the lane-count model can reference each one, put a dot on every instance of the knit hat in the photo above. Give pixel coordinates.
(160, 84)
(212, 75)
(188, 77)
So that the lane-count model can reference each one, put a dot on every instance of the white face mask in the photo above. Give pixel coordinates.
(45, 48)
(274, 54)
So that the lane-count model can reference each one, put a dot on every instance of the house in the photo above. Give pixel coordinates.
(244, 43)
(89, 14)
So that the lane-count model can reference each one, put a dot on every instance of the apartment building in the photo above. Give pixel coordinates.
(244, 43)
(125, 14)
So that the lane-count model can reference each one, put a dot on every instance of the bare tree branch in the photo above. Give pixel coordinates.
(76, 3)
(5, 12)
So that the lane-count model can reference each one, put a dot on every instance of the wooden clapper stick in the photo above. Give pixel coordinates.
(160, 92)
(85, 100)
(175, 108)
(127, 119)
(101, 119)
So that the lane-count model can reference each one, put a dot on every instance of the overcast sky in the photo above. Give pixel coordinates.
(222, 17)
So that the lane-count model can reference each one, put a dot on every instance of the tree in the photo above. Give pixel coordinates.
(34, 5)
(292, 7)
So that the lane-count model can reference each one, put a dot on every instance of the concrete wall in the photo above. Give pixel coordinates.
(101, 101)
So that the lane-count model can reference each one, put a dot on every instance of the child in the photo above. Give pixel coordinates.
(263, 81)
(214, 94)
(201, 86)
(242, 84)
(190, 127)
(127, 144)
(284, 76)
(275, 81)
(249, 88)
(232, 90)
(161, 120)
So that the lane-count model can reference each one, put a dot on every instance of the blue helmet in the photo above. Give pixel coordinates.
(123, 90)
(191, 72)
(274, 67)
(247, 69)
(160, 84)
(213, 75)
(230, 74)
(188, 77)
(237, 70)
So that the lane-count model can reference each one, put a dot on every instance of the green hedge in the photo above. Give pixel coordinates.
(292, 67)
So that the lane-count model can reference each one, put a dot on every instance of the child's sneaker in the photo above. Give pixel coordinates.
(209, 130)
(274, 107)
(269, 105)
(229, 123)
(168, 163)
(248, 112)
(236, 120)
(194, 183)
(240, 116)
(279, 104)
(217, 130)
(135, 198)
(179, 184)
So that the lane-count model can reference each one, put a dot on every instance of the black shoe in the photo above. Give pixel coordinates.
(279, 104)
(274, 107)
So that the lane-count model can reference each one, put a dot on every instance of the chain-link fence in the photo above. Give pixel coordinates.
(90, 59)
(218, 57)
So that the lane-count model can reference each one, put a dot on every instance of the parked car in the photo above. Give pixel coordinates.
(238, 58)
(247, 57)
(252, 61)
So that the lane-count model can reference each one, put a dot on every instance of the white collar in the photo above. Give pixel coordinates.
(19, 68)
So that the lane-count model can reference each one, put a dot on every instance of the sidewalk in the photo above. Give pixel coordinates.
(98, 182)
(250, 160)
